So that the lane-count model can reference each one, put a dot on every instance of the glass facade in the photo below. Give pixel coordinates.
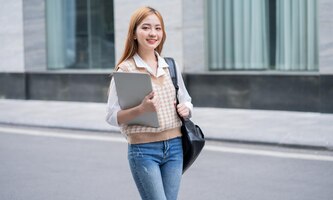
(262, 35)
(80, 34)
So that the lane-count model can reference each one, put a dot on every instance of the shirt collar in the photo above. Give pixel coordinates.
(161, 64)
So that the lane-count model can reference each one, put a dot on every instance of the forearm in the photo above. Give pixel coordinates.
(124, 116)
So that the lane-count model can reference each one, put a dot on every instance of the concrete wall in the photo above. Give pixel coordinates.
(34, 35)
(325, 21)
(279, 91)
(193, 36)
(11, 36)
(295, 92)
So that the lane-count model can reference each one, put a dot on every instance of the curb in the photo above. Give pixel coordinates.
(224, 140)
(270, 144)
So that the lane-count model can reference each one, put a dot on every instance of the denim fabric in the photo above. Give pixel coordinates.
(157, 168)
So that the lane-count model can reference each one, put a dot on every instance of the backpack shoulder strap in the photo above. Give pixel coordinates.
(173, 71)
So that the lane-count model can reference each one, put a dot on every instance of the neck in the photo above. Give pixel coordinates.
(147, 55)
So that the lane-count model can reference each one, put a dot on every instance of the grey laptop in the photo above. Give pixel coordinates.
(131, 89)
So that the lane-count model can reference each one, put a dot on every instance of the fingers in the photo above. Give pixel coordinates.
(150, 95)
(183, 110)
(156, 102)
(150, 103)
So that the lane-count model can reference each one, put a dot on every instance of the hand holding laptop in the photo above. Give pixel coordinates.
(134, 89)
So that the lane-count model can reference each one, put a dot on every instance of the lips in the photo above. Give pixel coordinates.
(151, 41)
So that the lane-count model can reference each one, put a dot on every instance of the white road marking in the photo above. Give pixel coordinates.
(302, 156)
(47, 133)
(77, 136)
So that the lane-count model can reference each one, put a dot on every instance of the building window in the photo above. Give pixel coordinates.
(262, 35)
(80, 34)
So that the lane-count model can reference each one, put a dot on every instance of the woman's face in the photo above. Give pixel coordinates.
(149, 33)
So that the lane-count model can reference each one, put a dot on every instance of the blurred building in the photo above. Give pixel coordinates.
(253, 54)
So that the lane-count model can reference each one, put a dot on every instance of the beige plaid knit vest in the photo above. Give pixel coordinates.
(167, 114)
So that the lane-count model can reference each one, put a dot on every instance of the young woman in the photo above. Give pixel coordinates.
(155, 154)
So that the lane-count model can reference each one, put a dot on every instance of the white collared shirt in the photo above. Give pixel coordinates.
(160, 63)
(113, 105)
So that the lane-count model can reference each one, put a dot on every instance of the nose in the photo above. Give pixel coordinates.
(152, 32)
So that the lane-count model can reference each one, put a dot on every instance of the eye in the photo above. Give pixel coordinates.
(158, 28)
(145, 27)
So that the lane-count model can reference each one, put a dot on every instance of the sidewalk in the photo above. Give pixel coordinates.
(301, 129)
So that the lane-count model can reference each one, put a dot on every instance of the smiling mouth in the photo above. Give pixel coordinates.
(151, 41)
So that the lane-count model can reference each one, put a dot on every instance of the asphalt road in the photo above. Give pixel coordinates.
(39, 164)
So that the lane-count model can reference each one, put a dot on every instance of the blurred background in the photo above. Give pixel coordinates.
(254, 54)
(260, 74)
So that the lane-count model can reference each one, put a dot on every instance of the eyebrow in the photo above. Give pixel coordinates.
(147, 24)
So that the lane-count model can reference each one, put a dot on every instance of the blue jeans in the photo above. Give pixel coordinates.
(157, 168)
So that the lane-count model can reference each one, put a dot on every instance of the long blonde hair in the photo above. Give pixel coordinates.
(131, 45)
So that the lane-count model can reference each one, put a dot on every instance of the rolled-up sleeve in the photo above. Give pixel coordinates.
(113, 105)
